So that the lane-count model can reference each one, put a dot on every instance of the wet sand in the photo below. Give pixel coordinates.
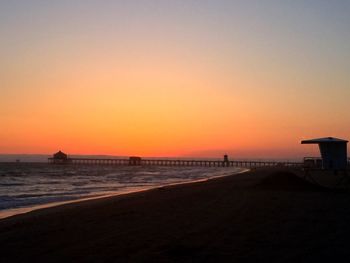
(263, 215)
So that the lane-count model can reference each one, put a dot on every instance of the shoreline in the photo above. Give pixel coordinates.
(270, 214)
(6, 213)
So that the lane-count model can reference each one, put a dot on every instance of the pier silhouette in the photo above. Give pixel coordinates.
(62, 158)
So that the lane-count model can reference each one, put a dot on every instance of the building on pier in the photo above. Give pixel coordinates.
(226, 158)
(226, 161)
(60, 158)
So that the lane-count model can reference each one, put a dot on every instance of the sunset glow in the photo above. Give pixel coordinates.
(173, 78)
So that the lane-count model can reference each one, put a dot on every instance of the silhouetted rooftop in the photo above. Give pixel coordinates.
(60, 155)
(324, 140)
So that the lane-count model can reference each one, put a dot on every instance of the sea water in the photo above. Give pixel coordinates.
(25, 185)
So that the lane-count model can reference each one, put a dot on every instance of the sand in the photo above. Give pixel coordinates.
(260, 216)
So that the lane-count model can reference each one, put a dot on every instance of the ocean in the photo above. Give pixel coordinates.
(27, 186)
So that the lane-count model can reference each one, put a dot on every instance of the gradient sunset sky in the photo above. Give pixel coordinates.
(173, 78)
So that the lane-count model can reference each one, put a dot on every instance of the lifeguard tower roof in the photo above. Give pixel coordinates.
(333, 152)
(324, 140)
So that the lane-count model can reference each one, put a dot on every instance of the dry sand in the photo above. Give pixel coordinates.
(260, 216)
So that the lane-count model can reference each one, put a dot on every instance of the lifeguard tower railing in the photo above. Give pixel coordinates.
(316, 162)
(313, 162)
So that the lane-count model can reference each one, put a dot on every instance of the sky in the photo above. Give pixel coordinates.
(173, 78)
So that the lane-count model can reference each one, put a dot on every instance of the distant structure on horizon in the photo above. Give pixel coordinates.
(226, 158)
(333, 153)
(60, 158)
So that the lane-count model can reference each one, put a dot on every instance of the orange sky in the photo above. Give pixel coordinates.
(172, 81)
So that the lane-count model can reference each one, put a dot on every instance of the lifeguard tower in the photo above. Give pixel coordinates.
(333, 153)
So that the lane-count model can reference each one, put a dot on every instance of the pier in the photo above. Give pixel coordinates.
(61, 158)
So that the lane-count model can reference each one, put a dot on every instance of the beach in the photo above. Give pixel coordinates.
(262, 215)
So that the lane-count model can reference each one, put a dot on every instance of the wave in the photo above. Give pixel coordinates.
(43, 184)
